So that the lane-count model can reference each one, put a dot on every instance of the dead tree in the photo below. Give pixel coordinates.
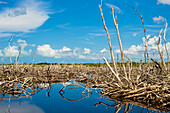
(10, 48)
(108, 36)
(120, 44)
(159, 38)
(18, 56)
(129, 65)
(145, 55)
(165, 45)
(146, 44)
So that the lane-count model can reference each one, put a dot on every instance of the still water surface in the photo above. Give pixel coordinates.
(72, 101)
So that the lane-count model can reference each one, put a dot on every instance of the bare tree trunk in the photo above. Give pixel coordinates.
(165, 45)
(120, 44)
(159, 38)
(129, 65)
(146, 44)
(10, 48)
(108, 36)
(18, 56)
(145, 55)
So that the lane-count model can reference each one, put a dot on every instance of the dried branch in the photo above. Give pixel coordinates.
(62, 94)
(116, 75)
(18, 56)
(98, 103)
(118, 108)
(108, 36)
(146, 44)
(157, 63)
(159, 38)
(30, 80)
(145, 54)
(10, 48)
(129, 65)
(165, 45)
(120, 44)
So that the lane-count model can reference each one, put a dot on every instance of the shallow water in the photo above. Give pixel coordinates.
(72, 101)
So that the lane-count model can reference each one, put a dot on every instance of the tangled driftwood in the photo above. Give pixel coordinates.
(149, 88)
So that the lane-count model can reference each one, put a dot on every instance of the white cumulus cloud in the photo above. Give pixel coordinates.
(65, 49)
(67, 53)
(22, 43)
(86, 51)
(164, 2)
(159, 19)
(46, 50)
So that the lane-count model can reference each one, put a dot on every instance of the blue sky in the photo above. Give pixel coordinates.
(71, 31)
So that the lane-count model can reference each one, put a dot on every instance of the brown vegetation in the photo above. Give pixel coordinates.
(147, 89)
(148, 85)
